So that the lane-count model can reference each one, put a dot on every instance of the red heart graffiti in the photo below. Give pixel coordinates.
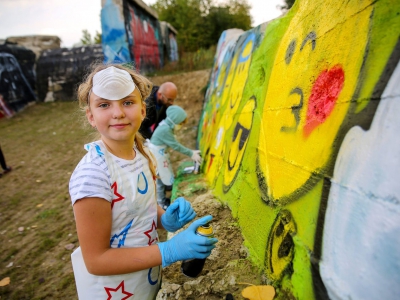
(324, 94)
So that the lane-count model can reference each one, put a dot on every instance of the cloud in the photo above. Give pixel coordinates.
(65, 19)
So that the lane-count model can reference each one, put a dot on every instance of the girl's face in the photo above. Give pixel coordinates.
(116, 120)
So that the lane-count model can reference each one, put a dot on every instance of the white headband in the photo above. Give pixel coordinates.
(113, 84)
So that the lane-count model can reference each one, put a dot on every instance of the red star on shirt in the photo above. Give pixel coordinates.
(148, 233)
(120, 286)
(165, 164)
(119, 196)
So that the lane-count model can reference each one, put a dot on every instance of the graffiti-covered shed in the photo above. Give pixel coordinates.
(132, 33)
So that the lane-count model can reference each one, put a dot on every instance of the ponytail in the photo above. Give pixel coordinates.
(139, 140)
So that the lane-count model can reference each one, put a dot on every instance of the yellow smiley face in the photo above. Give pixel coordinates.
(230, 100)
(312, 83)
(280, 247)
(238, 142)
(236, 80)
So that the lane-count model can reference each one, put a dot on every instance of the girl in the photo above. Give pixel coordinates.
(162, 138)
(113, 195)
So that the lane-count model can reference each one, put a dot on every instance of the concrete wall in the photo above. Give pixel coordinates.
(299, 136)
(36, 43)
(60, 71)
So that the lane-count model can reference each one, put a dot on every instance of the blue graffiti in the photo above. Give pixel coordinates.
(250, 38)
(144, 191)
(122, 234)
(114, 41)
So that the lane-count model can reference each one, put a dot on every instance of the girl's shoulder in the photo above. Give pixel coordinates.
(90, 166)
(93, 159)
(94, 155)
(91, 178)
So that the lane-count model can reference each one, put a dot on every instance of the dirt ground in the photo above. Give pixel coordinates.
(43, 144)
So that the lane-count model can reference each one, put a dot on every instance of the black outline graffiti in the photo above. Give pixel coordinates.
(243, 137)
(290, 51)
(311, 36)
(295, 110)
(242, 143)
(282, 231)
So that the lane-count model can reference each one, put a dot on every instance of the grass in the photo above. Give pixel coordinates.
(43, 144)
(189, 61)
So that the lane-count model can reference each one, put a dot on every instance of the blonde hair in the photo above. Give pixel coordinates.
(142, 83)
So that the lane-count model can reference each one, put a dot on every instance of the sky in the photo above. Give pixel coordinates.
(67, 18)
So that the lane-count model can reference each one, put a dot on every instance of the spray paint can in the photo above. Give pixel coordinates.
(196, 168)
(193, 267)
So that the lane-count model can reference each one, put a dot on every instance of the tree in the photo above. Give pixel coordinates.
(288, 4)
(86, 37)
(186, 17)
(234, 14)
(201, 22)
(97, 38)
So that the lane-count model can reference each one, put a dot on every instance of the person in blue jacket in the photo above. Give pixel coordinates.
(162, 138)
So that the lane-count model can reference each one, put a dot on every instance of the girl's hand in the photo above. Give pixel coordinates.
(187, 244)
(177, 215)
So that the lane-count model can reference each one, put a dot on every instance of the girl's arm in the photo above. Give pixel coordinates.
(160, 212)
(93, 224)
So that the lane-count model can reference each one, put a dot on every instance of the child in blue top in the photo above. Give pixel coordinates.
(162, 138)
(113, 196)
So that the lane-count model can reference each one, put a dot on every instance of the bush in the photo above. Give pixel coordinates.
(190, 61)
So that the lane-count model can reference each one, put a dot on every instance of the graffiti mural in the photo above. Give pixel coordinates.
(131, 33)
(114, 39)
(26, 59)
(295, 136)
(173, 47)
(15, 90)
(145, 40)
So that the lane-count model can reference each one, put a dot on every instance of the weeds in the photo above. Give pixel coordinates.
(189, 61)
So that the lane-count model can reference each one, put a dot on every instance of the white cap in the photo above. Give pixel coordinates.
(113, 84)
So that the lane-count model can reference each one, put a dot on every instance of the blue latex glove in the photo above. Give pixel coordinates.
(187, 244)
(177, 215)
